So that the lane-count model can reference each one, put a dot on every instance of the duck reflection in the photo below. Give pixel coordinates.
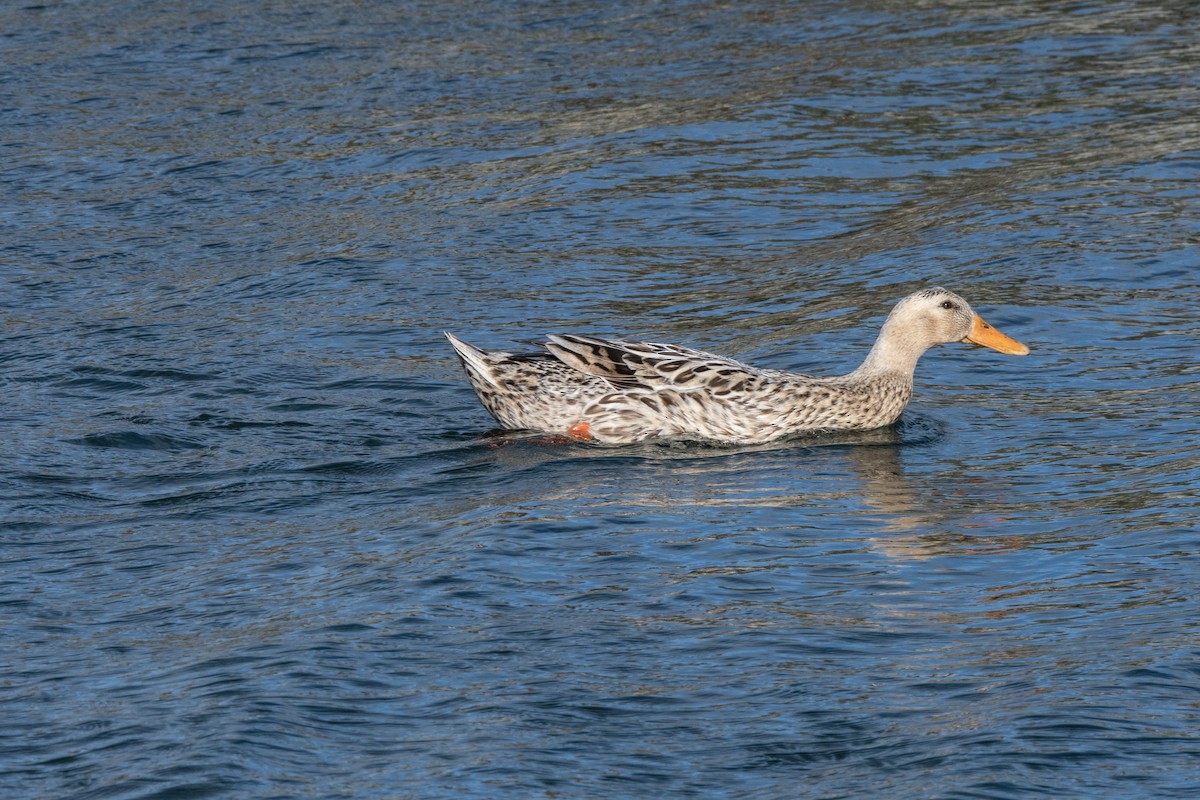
(854, 481)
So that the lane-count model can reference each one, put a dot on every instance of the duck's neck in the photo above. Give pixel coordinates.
(894, 352)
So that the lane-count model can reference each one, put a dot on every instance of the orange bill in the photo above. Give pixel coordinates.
(984, 334)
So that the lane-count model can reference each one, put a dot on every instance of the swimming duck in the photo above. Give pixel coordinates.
(615, 392)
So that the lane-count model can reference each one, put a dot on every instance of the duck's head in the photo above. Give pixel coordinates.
(937, 315)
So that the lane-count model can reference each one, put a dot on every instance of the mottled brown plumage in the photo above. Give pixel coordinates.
(616, 391)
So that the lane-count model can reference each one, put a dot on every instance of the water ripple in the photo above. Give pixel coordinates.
(261, 541)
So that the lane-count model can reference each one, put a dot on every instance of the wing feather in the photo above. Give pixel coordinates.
(648, 365)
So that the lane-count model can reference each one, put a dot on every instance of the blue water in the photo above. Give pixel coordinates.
(258, 541)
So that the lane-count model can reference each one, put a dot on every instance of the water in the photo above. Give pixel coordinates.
(257, 542)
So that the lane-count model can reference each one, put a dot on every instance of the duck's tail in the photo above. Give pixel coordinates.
(474, 361)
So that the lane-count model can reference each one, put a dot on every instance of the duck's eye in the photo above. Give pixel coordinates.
(947, 304)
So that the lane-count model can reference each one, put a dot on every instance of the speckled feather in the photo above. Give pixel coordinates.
(623, 391)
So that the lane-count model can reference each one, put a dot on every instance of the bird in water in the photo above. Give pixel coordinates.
(615, 392)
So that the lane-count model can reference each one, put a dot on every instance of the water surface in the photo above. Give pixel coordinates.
(258, 543)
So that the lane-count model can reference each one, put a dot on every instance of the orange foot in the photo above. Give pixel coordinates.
(579, 432)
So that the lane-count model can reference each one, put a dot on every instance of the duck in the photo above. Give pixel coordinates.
(613, 391)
